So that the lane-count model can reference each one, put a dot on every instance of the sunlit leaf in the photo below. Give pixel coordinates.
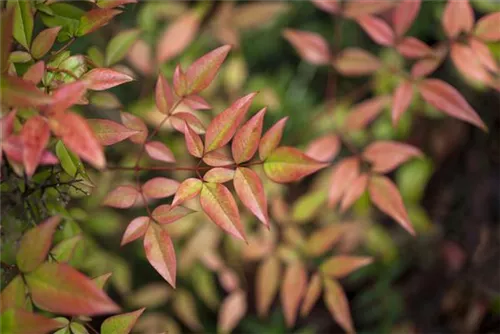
(356, 62)
(292, 291)
(324, 148)
(338, 305)
(354, 192)
(266, 284)
(311, 296)
(164, 97)
(160, 187)
(104, 78)
(18, 321)
(388, 155)
(6, 26)
(159, 151)
(340, 266)
(486, 27)
(160, 252)
(14, 294)
(121, 197)
(343, 174)
(250, 190)
(135, 229)
(458, 17)
(311, 47)
(219, 175)
(109, 132)
(43, 42)
(404, 15)
(121, 323)
(188, 189)
(35, 137)
(232, 310)
(246, 140)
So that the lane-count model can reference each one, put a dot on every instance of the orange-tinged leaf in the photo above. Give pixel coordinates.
(377, 29)
(35, 245)
(18, 321)
(229, 279)
(166, 214)
(121, 197)
(311, 295)
(121, 323)
(35, 73)
(288, 164)
(188, 189)
(271, 139)
(356, 8)
(232, 310)
(484, 54)
(404, 15)
(343, 174)
(104, 78)
(343, 265)
(219, 205)
(365, 112)
(160, 252)
(218, 158)
(193, 142)
(159, 151)
(43, 42)
(35, 137)
(196, 102)
(311, 47)
(135, 229)
(219, 175)
(14, 295)
(329, 6)
(201, 73)
(468, 63)
(109, 132)
(411, 47)
(356, 62)
(246, 140)
(180, 81)
(292, 291)
(267, 283)
(66, 95)
(444, 97)
(17, 92)
(458, 17)
(324, 148)
(135, 123)
(354, 192)
(58, 288)
(223, 126)
(179, 118)
(388, 155)
(177, 36)
(160, 187)
(487, 27)
(94, 19)
(401, 100)
(338, 305)
(385, 195)
(323, 239)
(164, 96)
(250, 190)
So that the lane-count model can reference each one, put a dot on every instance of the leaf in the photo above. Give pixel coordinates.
(109, 132)
(218, 158)
(113, 3)
(193, 142)
(23, 22)
(180, 82)
(311, 47)
(287, 164)
(385, 195)
(177, 36)
(356, 62)
(404, 15)
(486, 27)
(119, 45)
(343, 174)
(184, 306)
(164, 96)
(160, 252)
(6, 26)
(232, 310)
(219, 175)
(65, 15)
(219, 205)
(385, 156)
(121, 323)
(77, 328)
(483, 54)
(255, 15)
(104, 78)
(196, 102)
(266, 284)
(377, 29)
(179, 118)
(140, 57)
(65, 96)
(444, 97)
(311, 295)
(323, 239)
(121, 197)
(271, 139)
(14, 294)
(135, 123)
(458, 16)
(428, 65)
(159, 151)
(354, 192)
(203, 71)
(66, 160)
(58, 288)
(324, 148)
(365, 112)
(223, 126)
(77, 135)
(188, 189)
(63, 251)
(356, 8)
(410, 47)
(101, 280)
(246, 140)
(94, 19)
(468, 64)
(340, 266)
(401, 100)
(43, 42)
(329, 6)
(35, 73)
(18, 321)
(105, 100)
(17, 92)
(35, 137)
(166, 214)
(336, 302)
(135, 229)
(292, 291)
(250, 190)
(160, 187)
(35, 245)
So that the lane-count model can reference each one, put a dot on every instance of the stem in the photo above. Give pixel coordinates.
(64, 47)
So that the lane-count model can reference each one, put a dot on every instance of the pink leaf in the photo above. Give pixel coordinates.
(410, 47)
(139, 55)
(377, 29)
(311, 46)
(122, 197)
(232, 310)
(336, 302)
(246, 140)
(354, 192)
(35, 137)
(401, 100)
(44, 42)
(104, 78)
(109, 132)
(324, 148)
(356, 8)
(487, 27)
(7, 124)
(385, 195)
(458, 16)
(219, 175)
(250, 190)
(188, 189)
(159, 151)
(160, 187)
(340, 266)
(160, 252)
(164, 96)
(404, 15)
(329, 6)
(203, 71)
(135, 229)
(292, 291)
(166, 214)
(179, 118)
(193, 142)
(385, 156)
(365, 112)
(17, 92)
(356, 62)
(218, 158)
(483, 54)
(271, 139)
(444, 97)
(196, 102)
(343, 174)
(312, 294)
(267, 284)
(468, 64)
(135, 123)
(35, 72)
(66, 95)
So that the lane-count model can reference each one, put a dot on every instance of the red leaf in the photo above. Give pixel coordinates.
(483, 54)
(66, 95)
(218, 158)
(385, 195)
(193, 142)
(203, 71)
(404, 15)
(246, 140)
(401, 100)
(354, 192)
(487, 27)
(35, 137)
(337, 304)
(160, 252)
(468, 64)
(340, 266)
(121, 197)
(35, 245)
(135, 123)
(159, 151)
(135, 229)
(343, 174)
(17, 92)
(164, 96)
(356, 62)
(58, 288)
(444, 97)
(196, 102)
(292, 290)
(223, 126)
(267, 283)
(44, 42)
(250, 190)
(166, 214)
(94, 19)
(271, 139)
(35, 73)
(365, 112)
(329, 6)
(310, 46)
(232, 310)
(219, 205)
(356, 8)
(311, 296)
(410, 47)
(109, 132)
(188, 189)
(160, 187)
(104, 78)
(385, 156)
(179, 118)
(18, 321)
(219, 175)
(458, 16)
(177, 36)
(324, 148)
(377, 29)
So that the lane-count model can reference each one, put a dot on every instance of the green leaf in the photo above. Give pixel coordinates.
(120, 44)
(122, 323)
(67, 161)
(94, 19)
(63, 251)
(205, 286)
(23, 21)
(17, 321)
(77, 328)
(65, 15)
(14, 295)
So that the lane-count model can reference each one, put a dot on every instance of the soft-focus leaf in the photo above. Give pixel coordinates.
(377, 29)
(193, 142)
(101, 280)
(271, 139)
(246, 140)
(135, 123)
(63, 251)
(324, 148)
(105, 100)
(201, 73)
(486, 27)
(78, 328)
(311, 46)
(18, 321)
(65, 96)
(292, 291)
(14, 294)
(119, 45)
(121, 323)
(94, 19)
(411, 47)
(109, 132)
(184, 306)
(17, 92)
(342, 265)
(35, 73)
(388, 155)
(232, 310)
(218, 158)
(356, 8)
(429, 64)
(135, 229)
(404, 15)
(468, 64)
(458, 17)
(401, 100)
(166, 214)
(365, 112)
(67, 163)
(323, 239)
(354, 192)
(113, 3)
(23, 22)
(164, 96)
(250, 190)
(255, 15)
(105, 78)
(219, 175)
(58, 288)
(329, 6)
(121, 197)
(484, 54)
(267, 283)
(35, 137)
(160, 187)
(159, 151)
(6, 26)
(356, 62)
(343, 174)
(160, 252)
(43, 42)
(311, 296)
(338, 305)
(140, 57)
(188, 189)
